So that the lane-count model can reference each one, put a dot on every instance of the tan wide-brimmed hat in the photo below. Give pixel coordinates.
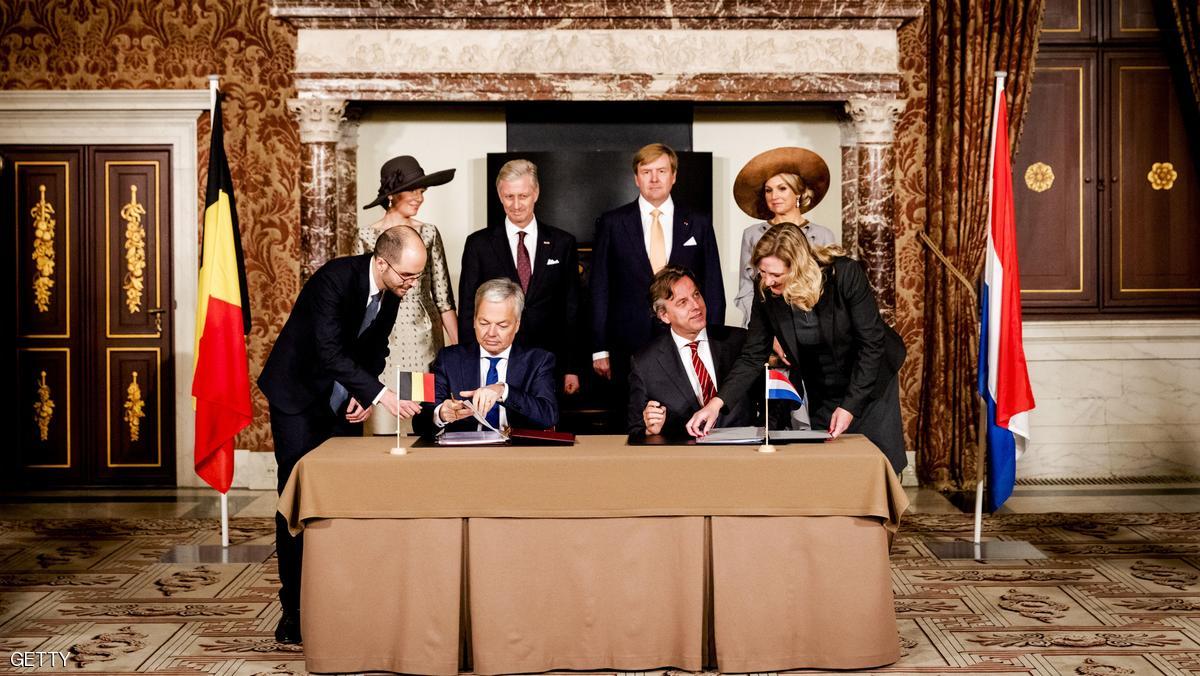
(748, 186)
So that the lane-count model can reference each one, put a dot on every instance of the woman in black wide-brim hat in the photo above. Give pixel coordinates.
(428, 308)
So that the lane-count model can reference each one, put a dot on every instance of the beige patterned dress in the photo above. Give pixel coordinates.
(417, 335)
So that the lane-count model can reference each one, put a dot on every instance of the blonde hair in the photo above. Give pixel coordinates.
(515, 169)
(796, 185)
(648, 153)
(805, 261)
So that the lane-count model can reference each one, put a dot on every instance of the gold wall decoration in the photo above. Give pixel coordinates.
(43, 250)
(1162, 175)
(135, 251)
(1039, 177)
(135, 409)
(43, 409)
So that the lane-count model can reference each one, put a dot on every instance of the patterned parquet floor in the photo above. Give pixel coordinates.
(1118, 595)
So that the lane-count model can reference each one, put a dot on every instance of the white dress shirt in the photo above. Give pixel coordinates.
(685, 353)
(531, 233)
(501, 378)
(666, 217)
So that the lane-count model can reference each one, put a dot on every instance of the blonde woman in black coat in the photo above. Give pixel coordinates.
(817, 302)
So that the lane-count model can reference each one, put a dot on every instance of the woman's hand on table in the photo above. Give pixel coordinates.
(839, 422)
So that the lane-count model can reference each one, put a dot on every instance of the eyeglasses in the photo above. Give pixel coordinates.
(405, 279)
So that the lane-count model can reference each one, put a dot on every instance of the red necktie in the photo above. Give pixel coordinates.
(707, 390)
(524, 269)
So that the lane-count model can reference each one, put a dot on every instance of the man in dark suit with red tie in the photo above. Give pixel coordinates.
(539, 257)
(677, 372)
(631, 244)
(322, 376)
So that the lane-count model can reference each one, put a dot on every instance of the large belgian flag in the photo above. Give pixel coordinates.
(221, 378)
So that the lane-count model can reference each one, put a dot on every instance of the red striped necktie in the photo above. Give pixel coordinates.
(707, 389)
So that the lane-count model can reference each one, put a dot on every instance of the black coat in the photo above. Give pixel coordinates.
(866, 354)
(531, 403)
(621, 275)
(657, 373)
(320, 343)
(551, 319)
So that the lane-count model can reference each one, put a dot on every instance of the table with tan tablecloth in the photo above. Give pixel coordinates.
(600, 555)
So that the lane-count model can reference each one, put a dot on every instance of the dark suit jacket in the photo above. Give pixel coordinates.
(531, 403)
(551, 318)
(320, 343)
(658, 374)
(867, 351)
(621, 275)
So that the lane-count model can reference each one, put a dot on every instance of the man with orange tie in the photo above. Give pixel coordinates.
(677, 372)
(631, 244)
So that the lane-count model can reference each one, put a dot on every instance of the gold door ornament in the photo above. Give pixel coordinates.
(43, 409)
(1039, 177)
(1162, 175)
(43, 250)
(135, 409)
(135, 251)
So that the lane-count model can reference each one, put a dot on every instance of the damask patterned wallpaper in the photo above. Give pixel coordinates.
(176, 44)
(910, 215)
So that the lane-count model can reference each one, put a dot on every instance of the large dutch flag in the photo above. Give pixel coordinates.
(1003, 376)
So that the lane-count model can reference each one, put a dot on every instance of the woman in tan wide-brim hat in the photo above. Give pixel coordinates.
(427, 310)
(778, 186)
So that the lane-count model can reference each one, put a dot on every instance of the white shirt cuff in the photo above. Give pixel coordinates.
(437, 416)
(597, 356)
(378, 396)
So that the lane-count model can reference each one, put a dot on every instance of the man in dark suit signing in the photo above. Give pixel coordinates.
(510, 385)
(539, 257)
(631, 244)
(322, 376)
(677, 372)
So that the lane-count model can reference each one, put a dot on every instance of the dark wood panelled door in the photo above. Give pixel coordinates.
(94, 368)
(1153, 251)
(1054, 182)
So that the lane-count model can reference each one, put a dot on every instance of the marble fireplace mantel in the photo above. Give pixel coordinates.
(832, 51)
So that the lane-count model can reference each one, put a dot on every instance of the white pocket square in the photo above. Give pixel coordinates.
(691, 242)
(551, 261)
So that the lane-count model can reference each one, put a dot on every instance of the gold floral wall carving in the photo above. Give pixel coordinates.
(43, 250)
(148, 44)
(1039, 177)
(43, 409)
(135, 251)
(1162, 175)
(135, 408)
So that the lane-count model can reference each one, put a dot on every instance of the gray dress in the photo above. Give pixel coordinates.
(417, 335)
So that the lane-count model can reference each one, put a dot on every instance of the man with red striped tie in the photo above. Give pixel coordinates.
(678, 372)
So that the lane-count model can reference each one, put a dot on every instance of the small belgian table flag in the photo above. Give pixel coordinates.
(415, 386)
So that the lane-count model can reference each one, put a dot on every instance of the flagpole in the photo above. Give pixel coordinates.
(398, 450)
(981, 474)
(213, 87)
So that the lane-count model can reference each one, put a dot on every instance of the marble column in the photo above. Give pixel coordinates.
(849, 136)
(875, 130)
(320, 122)
(347, 183)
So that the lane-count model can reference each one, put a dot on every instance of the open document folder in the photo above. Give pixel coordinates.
(487, 435)
(754, 435)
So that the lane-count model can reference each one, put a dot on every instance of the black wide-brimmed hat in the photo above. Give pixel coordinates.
(748, 186)
(405, 173)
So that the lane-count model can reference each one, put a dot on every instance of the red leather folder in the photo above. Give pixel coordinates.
(523, 437)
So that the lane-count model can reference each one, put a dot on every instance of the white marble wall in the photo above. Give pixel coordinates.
(1114, 398)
